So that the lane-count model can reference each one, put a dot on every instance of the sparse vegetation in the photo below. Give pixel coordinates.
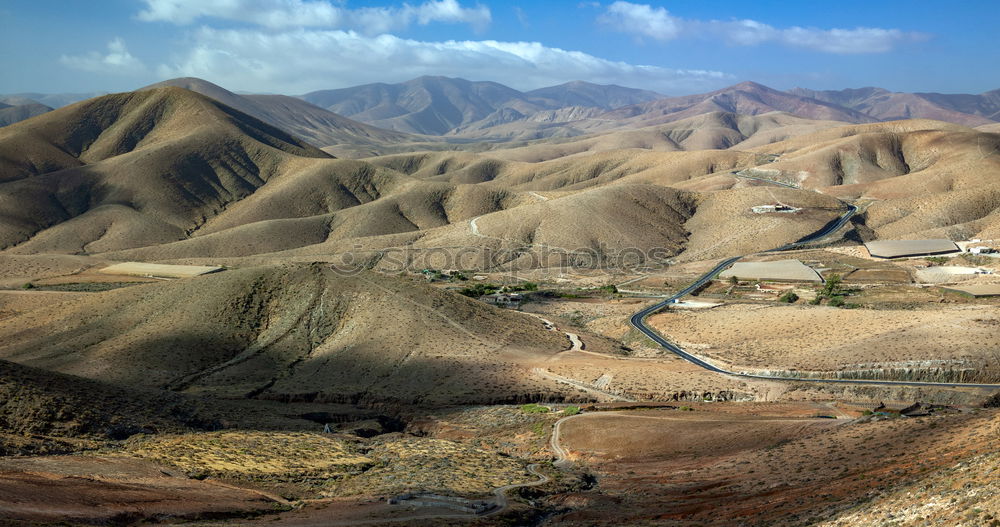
(534, 408)
(478, 290)
(571, 410)
(789, 298)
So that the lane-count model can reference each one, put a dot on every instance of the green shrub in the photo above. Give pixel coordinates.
(528, 286)
(478, 290)
(789, 298)
(571, 410)
(534, 408)
(28, 285)
(837, 301)
(816, 301)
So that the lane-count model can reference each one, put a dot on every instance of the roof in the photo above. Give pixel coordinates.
(788, 270)
(977, 290)
(899, 248)
(159, 270)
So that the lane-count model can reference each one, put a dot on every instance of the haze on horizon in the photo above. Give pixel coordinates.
(675, 48)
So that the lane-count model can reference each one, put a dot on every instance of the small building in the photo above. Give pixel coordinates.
(910, 248)
(503, 299)
(777, 207)
(982, 250)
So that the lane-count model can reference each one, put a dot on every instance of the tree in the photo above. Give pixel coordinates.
(733, 280)
(832, 287)
(789, 298)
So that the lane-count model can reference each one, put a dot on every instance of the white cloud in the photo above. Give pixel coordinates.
(279, 14)
(303, 60)
(117, 60)
(642, 20)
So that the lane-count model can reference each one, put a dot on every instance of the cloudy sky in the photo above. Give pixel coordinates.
(674, 47)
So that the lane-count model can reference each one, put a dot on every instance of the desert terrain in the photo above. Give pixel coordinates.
(417, 306)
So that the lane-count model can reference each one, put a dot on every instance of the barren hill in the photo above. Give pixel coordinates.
(316, 125)
(441, 105)
(15, 114)
(747, 98)
(587, 94)
(884, 105)
(132, 169)
(290, 333)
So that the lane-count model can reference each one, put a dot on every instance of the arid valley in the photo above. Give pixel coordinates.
(452, 302)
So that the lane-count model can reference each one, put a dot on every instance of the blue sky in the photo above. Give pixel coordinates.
(674, 47)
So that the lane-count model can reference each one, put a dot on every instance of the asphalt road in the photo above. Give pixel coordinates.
(638, 320)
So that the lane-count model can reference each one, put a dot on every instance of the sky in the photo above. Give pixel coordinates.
(672, 47)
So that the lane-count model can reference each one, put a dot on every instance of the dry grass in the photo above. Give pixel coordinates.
(829, 339)
(271, 456)
(432, 465)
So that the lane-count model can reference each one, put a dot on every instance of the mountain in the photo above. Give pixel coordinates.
(746, 98)
(133, 169)
(320, 127)
(427, 105)
(586, 94)
(884, 105)
(52, 100)
(15, 114)
(292, 332)
(442, 105)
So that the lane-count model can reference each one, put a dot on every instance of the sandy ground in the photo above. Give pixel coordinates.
(706, 467)
(99, 490)
(824, 338)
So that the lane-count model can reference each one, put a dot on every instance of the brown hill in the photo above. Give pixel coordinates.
(132, 169)
(316, 125)
(291, 333)
(710, 131)
(15, 114)
(927, 178)
(884, 105)
(441, 105)
(747, 98)
(34, 401)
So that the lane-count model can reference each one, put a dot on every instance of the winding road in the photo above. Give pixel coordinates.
(638, 320)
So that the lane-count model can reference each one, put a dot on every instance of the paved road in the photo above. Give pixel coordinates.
(638, 320)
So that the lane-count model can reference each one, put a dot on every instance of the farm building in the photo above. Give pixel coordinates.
(977, 290)
(780, 270)
(503, 299)
(158, 270)
(904, 248)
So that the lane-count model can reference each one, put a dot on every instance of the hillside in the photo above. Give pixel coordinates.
(15, 114)
(884, 105)
(441, 105)
(132, 169)
(319, 127)
(747, 98)
(290, 333)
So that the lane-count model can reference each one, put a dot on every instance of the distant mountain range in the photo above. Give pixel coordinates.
(440, 105)
(884, 105)
(374, 119)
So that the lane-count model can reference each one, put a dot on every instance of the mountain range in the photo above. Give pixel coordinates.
(446, 113)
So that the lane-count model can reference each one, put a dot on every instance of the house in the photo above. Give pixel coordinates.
(503, 299)
(982, 250)
(777, 207)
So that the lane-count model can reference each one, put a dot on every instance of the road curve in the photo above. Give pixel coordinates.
(638, 320)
